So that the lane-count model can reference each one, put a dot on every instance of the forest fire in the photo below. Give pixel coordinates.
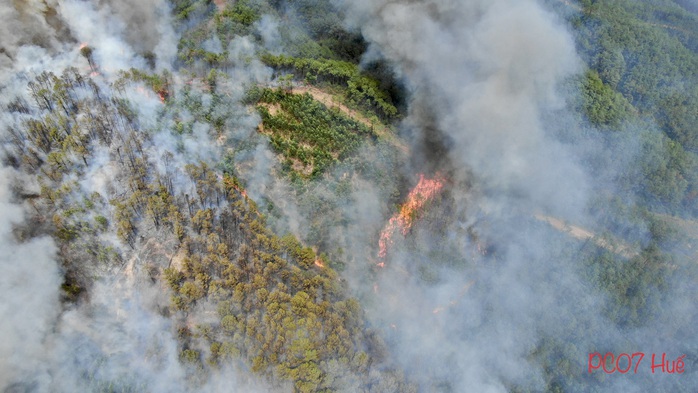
(424, 191)
(162, 94)
(232, 183)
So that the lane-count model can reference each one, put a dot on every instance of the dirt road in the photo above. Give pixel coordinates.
(584, 234)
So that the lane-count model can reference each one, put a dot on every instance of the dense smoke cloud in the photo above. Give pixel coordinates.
(29, 286)
(148, 25)
(24, 24)
(484, 79)
(38, 35)
(488, 69)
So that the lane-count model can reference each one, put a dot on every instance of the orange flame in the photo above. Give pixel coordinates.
(230, 184)
(425, 190)
(319, 263)
(242, 192)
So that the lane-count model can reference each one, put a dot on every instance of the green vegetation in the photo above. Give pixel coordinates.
(240, 292)
(634, 286)
(240, 13)
(281, 307)
(361, 89)
(603, 105)
(57, 141)
(318, 32)
(651, 65)
(160, 84)
(669, 176)
(309, 135)
(280, 311)
(643, 59)
(324, 54)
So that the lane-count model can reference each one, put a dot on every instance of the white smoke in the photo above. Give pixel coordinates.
(29, 286)
(114, 338)
(484, 78)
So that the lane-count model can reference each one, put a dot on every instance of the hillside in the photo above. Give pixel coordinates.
(330, 196)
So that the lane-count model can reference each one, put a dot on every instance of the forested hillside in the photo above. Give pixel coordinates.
(321, 196)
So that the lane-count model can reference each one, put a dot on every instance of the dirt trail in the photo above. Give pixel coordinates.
(273, 109)
(331, 102)
(584, 234)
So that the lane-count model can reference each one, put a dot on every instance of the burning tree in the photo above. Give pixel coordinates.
(86, 52)
(424, 191)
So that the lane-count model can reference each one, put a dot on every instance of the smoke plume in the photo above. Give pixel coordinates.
(490, 275)
(485, 81)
